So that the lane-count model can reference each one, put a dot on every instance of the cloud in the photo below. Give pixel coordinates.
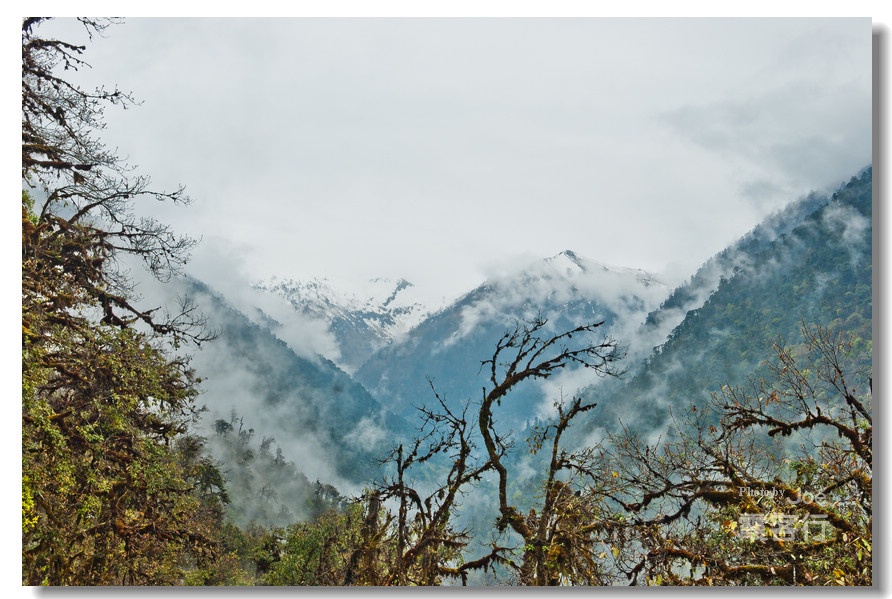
(224, 266)
(425, 148)
(367, 433)
(517, 288)
(232, 381)
(853, 224)
(783, 140)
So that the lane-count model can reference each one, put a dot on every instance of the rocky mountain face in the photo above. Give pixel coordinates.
(445, 351)
(360, 321)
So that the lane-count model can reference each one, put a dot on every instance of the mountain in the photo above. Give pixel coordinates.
(446, 349)
(705, 281)
(810, 264)
(361, 322)
(324, 421)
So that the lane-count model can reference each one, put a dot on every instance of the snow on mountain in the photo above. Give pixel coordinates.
(447, 348)
(366, 321)
(561, 280)
(571, 264)
(362, 320)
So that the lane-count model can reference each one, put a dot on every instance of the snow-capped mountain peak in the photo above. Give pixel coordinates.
(362, 320)
(571, 264)
(381, 311)
(567, 262)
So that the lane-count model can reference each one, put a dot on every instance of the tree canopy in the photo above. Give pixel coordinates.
(109, 493)
(770, 483)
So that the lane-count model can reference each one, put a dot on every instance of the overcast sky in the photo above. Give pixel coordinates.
(439, 150)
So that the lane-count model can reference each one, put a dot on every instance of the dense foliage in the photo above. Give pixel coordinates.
(109, 495)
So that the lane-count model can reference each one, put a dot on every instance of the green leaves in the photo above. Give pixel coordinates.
(106, 498)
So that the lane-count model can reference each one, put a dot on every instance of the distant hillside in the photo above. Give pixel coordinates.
(328, 425)
(812, 263)
(448, 347)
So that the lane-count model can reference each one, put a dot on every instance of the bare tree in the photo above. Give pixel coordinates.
(727, 498)
(78, 218)
(529, 352)
(427, 543)
(557, 543)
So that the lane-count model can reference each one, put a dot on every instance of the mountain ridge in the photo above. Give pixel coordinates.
(361, 321)
(816, 269)
(565, 289)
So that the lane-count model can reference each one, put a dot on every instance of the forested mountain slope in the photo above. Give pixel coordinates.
(326, 423)
(818, 272)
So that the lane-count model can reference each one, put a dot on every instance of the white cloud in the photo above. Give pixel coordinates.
(225, 268)
(426, 148)
(367, 434)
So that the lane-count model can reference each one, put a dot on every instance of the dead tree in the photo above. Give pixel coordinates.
(528, 352)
